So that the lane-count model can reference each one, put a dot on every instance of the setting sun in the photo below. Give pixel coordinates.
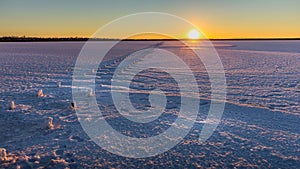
(194, 34)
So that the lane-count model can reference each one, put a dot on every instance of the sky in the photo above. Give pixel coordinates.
(216, 18)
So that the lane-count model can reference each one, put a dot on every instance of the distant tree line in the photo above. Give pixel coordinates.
(41, 39)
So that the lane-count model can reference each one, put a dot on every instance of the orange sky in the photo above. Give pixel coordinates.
(216, 18)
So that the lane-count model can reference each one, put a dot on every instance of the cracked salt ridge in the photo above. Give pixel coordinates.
(262, 78)
(253, 138)
(240, 120)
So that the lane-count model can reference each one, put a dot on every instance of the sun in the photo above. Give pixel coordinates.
(194, 34)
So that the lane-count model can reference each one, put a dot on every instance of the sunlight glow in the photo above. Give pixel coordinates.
(193, 34)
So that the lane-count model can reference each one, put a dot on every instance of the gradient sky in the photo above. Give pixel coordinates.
(216, 18)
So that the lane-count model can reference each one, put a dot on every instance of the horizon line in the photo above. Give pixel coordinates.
(34, 38)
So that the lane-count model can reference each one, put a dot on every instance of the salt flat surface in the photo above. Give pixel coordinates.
(259, 128)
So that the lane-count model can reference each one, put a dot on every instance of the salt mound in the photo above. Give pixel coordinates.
(3, 154)
(73, 105)
(49, 123)
(91, 93)
(12, 105)
(58, 84)
(40, 93)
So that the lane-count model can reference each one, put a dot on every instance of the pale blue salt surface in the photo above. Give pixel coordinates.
(259, 128)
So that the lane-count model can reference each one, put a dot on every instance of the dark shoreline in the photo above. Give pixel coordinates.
(37, 39)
